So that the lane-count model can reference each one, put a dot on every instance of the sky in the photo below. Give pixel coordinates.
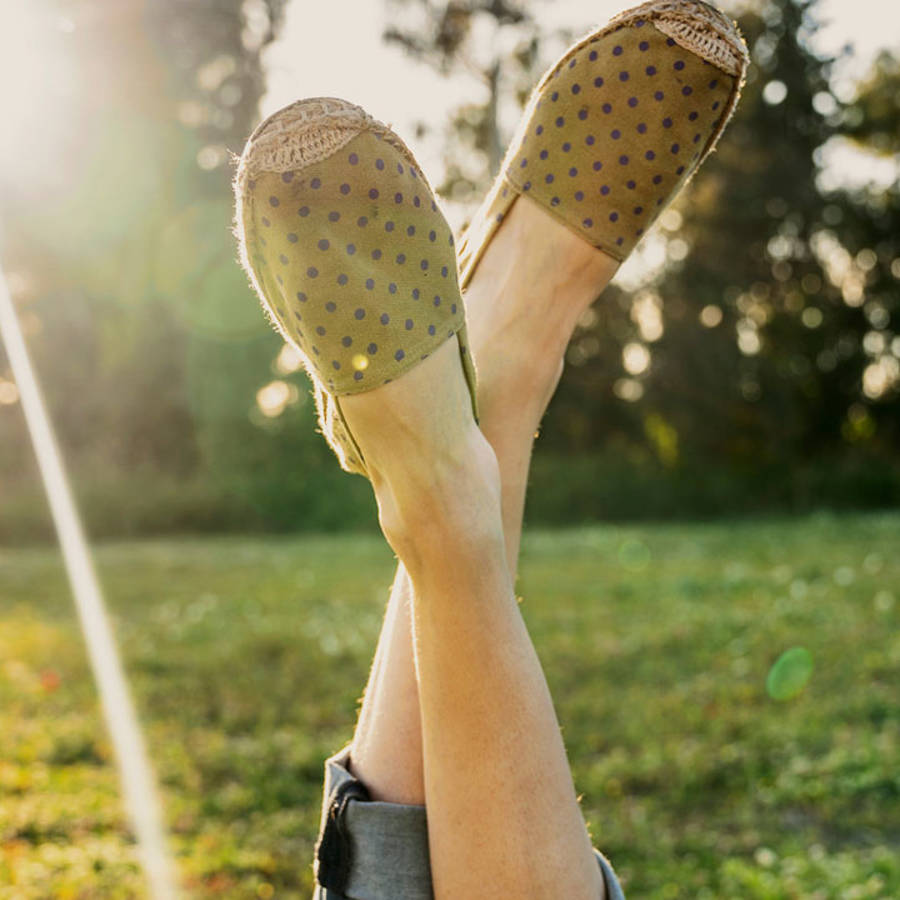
(335, 49)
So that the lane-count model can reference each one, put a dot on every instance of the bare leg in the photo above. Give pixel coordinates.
(530, 289)
(528, 292)
(387, 743)
(503, 817)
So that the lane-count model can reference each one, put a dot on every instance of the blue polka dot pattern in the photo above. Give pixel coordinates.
(381, 289)
(332, 271)
(624, 84)
(647, 113)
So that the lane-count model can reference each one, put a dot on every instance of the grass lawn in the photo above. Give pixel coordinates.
(247, 657)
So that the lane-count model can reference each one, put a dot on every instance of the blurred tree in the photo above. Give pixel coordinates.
(766, 344)
(769, 347)
(872, 117)
(750, 307)
(497, 43)
(869, 234)
(115, 231)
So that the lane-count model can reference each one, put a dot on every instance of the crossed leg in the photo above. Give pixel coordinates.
(461, 714)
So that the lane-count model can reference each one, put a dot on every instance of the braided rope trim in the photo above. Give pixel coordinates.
(705, 31)
(696, 26)
(307, 132)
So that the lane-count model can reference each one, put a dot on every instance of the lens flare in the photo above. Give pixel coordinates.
(135, 772)
(789, 673)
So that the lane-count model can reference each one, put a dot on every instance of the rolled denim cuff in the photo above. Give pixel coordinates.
(385, 854)
(372, 850)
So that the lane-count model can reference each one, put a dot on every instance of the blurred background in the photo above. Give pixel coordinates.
(723, 451)
(748, 359)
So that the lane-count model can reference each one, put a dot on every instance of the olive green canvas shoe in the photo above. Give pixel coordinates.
(351, 258)
(618, 125)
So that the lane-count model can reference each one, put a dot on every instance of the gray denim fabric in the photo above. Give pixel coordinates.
(389, 859)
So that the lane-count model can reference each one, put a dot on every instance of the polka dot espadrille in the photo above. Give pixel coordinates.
(351, 258)
(618, 125)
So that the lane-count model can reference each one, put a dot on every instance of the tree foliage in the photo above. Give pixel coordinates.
(495, 43)
(769, 340)
(758, 368)
(150, 345)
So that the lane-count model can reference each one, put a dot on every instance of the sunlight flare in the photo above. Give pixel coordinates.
(135, 772)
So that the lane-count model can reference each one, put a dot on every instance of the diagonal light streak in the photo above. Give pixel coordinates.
(135, 772)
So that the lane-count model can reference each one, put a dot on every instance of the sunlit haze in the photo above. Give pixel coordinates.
(190, 587)
(337, 50)
(37, 79)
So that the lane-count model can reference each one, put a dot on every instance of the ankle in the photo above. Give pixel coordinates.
(447, 503)
(526, 297)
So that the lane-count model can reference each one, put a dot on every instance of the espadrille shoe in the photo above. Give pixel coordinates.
(618, 125)
(351, 258)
